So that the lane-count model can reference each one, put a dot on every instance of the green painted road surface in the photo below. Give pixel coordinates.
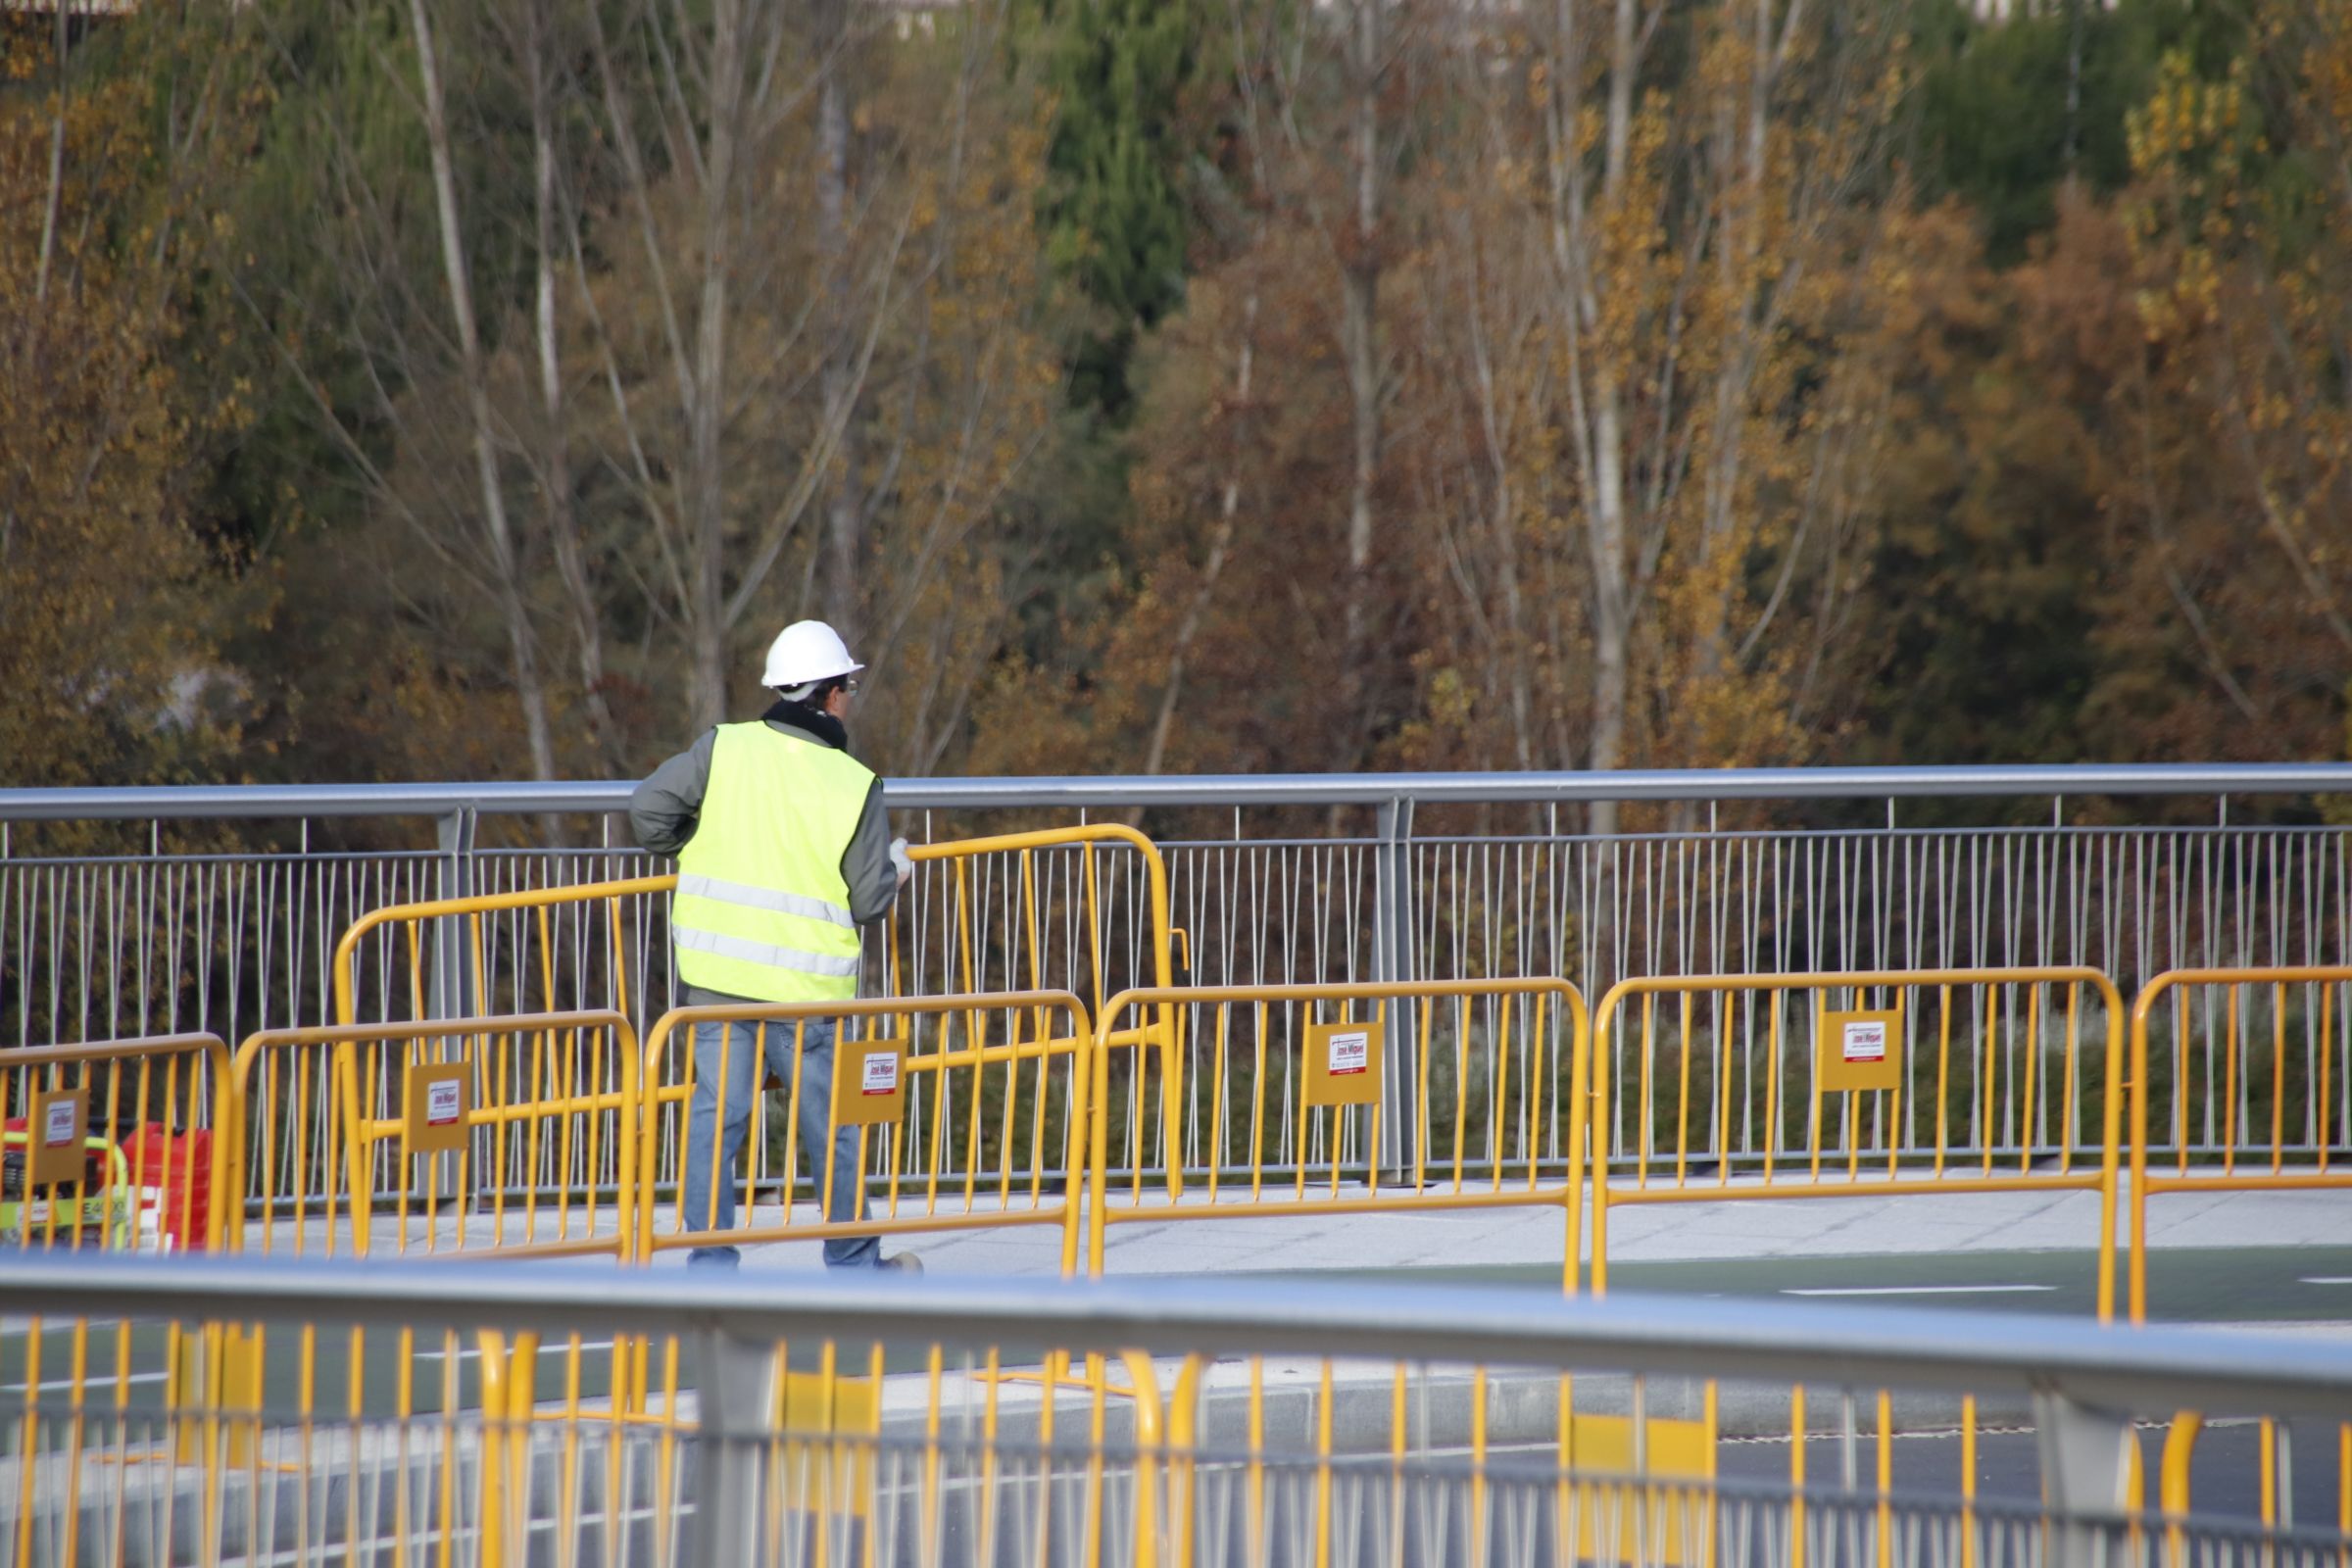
(2203, 1284)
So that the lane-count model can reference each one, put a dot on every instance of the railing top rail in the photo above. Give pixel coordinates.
(397, 1031)
(286, 800)
(2235, 975)
(2130, 1369)
(1862, 979)
(132, 1048)
(867, 1007)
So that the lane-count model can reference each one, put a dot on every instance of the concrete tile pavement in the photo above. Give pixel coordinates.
(1865, 1224)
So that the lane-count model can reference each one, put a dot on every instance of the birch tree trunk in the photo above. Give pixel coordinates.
(845, 509)
(1360, 335)
(54, 202)
(1220, 543)
(1597, 369)
(505, 563)
(555, 478)
(705, 411)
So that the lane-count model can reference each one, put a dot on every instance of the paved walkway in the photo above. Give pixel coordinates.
(1812, 1227)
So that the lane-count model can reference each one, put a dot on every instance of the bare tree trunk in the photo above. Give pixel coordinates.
(1361, 295)
(55, 202)
(707, 628)
(506, 571)
(1220, 543)
(1743, 160)
(1606, 522)
(562, 523)
(845, 510)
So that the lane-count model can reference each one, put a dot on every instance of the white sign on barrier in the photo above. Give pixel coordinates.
(1342, 1062)
(1350, 1052)
(869, 1083)
(1858, 1050)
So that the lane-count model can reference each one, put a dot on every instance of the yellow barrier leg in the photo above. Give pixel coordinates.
(493, 1350)
(1150, 1436)
(1796, 1477)
(2171, 1485)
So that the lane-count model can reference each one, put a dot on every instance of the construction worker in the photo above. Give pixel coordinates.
(783, 854)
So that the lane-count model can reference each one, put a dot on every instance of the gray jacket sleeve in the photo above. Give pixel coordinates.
(866, 865)
(667, 809)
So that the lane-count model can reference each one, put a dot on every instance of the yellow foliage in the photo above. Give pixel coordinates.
(105, 651)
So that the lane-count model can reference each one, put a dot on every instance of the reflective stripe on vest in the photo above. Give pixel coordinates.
(760, 952)
(752, 897)
(762, 909)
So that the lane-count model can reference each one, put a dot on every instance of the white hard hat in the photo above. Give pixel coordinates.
(807, 651)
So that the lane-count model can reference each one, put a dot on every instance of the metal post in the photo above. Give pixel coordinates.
(2085, 1475)
(451, 995)
(735, 1396)
(453, 957)
(1392, 961)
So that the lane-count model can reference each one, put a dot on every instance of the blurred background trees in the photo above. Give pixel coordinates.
(433, 388)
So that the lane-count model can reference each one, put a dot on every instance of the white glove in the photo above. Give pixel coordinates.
(902, 859)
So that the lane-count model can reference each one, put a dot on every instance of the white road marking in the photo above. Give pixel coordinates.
(1914, 1289)
(2328, 1279)
(473, 1352)
(94, 1380)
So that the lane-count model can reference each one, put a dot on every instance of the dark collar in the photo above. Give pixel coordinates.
(815, 723)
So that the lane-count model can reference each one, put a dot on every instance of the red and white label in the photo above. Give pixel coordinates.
(1350, 1052)
(444, 1103)
(1866, 1041)
(881, 1073)
(56, 1128)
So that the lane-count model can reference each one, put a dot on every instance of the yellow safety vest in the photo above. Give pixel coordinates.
(761, 909)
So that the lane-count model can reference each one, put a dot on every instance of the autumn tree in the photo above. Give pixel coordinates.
(2237, 476)
(112, 597)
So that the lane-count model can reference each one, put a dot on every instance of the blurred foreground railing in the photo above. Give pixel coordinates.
(871, 1419)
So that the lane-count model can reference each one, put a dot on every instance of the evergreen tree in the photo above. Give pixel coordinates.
(1114, 212)
(2010, 110)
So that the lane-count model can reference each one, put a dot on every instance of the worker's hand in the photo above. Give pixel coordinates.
(902, 859)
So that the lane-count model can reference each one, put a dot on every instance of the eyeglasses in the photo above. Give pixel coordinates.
(850, 686)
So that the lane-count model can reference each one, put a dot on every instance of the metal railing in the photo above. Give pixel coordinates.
(861, 1419)
(1270, 880)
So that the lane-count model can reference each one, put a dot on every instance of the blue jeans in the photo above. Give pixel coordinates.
(711, 1206)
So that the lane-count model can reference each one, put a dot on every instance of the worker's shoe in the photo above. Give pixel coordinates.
(900, 1263)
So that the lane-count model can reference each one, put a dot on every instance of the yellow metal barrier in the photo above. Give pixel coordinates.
(1290, 1112)
(467, 976)
(826, 1419)
(2270, 1116)
(987, 927)
(1023, 911)
(462, 1137)
(110, 1144)
(991, 927)
(1999, 1117)
(1633, 1489)
(474, 1138)
(970, 1113)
